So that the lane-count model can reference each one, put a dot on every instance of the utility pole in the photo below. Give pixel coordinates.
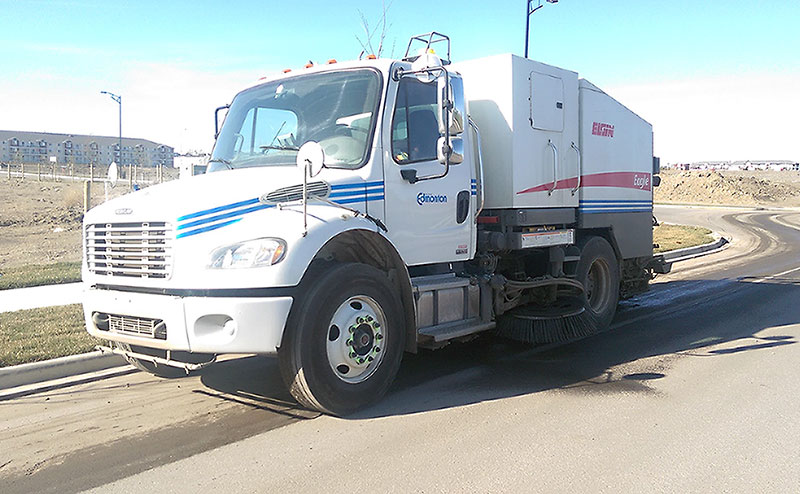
(118, 99)
(528, 12)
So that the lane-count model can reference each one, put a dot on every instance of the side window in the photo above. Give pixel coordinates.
(265, 128)
(415, 124)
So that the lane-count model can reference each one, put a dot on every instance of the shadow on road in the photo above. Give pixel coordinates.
(680, 319)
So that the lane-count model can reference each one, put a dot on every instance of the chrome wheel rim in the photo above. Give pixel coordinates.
(356, 339)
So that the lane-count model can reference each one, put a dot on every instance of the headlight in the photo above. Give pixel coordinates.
(250, 254)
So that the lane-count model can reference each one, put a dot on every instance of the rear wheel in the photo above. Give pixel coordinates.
(342, 347)
(598, 271)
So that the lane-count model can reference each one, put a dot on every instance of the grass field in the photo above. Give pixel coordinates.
(671, 237)
(37, 275)
(41, 334)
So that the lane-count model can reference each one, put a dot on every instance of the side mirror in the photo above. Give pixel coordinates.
(113, 173)
(458, 112)
(444, 101)
(311, 157)
(452, 154)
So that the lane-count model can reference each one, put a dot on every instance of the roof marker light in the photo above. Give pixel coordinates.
(371, 57)
(309, 64)
(286, 71)
(331, 61)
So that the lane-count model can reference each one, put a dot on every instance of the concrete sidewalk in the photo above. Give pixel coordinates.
(40, 296)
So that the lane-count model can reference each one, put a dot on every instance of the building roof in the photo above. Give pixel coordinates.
(27, 136)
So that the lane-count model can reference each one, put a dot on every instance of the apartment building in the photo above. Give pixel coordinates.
(37, 147)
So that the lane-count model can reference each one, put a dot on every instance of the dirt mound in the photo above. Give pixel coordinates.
(730, 188)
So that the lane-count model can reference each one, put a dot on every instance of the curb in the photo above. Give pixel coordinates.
(58, 368)
(696, 251)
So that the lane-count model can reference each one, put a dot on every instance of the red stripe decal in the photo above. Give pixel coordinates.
(625, 180)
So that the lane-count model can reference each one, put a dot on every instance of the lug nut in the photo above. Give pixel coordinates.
(376, 324)
(349, 342)
(377, 349)
(378, 336)
(352, 354)
(370, 359)
(359, 319)
(352, 329)
(369, 318)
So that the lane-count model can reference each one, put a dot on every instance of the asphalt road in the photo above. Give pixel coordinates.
(693, 389)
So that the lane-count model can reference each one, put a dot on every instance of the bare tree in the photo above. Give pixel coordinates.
(379, 29)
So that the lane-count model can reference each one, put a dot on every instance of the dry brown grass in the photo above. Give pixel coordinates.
(73, 198)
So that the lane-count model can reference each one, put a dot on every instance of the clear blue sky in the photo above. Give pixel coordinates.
(70, 47)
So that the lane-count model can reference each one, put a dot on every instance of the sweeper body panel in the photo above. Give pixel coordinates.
(356, 211)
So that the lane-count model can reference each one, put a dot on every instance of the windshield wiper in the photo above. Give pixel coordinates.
(280, 148)
(223, 161)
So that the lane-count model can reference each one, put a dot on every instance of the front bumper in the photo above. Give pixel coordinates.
(193, 324)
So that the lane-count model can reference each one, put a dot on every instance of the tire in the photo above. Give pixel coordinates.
(344, 339)
(598, 271)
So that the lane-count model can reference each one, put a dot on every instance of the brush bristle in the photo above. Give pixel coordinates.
(540, 331)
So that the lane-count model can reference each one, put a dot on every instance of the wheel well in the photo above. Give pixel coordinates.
(364, 246)
(606, 233)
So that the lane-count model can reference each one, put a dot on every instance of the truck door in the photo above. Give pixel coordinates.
(430, 220)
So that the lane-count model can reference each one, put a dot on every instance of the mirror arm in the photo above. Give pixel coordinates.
(216, 119)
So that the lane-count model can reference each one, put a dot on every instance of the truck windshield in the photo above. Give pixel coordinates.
(266, 125)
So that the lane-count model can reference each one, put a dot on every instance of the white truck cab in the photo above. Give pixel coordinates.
(354, 211)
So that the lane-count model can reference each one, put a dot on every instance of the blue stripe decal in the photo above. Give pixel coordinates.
(356, 193)
(594, 211)
(617, 206)
(356, 186)
(602, 206)
(207, 228)
(604, 201)
(360, 199)
(218, 209)
(232, 214)
(349, 193)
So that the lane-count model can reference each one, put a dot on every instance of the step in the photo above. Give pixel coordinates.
(457, 329)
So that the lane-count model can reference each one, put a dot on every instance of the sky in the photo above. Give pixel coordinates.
(718, 80)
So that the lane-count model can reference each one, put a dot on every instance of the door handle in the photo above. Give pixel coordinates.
(578, 153)
(555, 166)
(409, 175)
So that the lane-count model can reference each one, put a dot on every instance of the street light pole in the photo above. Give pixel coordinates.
(118, 99)
(528, 12)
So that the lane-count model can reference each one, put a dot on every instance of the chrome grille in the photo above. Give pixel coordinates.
(295, 193)
(139, 326)
(137, 250)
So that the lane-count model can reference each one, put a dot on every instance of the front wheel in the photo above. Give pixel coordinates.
(344, 341)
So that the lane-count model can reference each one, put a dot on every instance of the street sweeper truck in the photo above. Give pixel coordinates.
(355, 211)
